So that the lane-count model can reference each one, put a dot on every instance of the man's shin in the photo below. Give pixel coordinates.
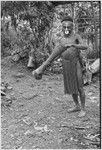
(56, 52)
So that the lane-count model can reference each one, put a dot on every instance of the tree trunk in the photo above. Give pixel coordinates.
(3, 23)
(94, 22)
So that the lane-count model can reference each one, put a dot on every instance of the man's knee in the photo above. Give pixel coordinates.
(81, 90)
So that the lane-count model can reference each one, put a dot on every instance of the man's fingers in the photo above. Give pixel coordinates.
(73, 45)
(70, 46)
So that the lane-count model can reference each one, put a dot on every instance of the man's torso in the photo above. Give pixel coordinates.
(71, 52)
(65, 41)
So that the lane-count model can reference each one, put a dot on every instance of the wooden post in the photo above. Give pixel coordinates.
(73, 16)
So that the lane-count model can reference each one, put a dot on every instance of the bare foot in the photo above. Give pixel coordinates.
(82, 113)
(74, 109)
(36, 75)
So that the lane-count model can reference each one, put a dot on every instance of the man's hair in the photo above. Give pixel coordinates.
(67, 18)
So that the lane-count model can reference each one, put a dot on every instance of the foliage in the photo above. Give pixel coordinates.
(38, 15)
(84, 15)
(5, 43)
(33, 19)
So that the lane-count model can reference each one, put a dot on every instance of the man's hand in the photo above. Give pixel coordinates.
(80, 46)
(71, 45)
(74, 45)
(68, 46)
(36, 75)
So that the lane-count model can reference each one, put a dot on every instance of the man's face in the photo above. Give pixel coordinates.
(67, 27)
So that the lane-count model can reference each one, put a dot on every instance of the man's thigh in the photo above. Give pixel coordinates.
(79, 76)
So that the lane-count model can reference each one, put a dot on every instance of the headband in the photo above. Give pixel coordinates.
(68, 18)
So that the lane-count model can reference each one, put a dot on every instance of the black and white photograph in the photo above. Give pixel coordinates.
(50, 74)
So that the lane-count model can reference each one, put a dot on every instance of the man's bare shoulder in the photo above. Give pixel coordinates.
(59, 42)
(62, 40)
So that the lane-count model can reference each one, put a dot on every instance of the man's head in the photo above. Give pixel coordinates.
(67, 25)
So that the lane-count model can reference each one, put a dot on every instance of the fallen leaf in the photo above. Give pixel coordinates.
(11, 135)
(29, 95)
(3, 88)
(28, 121)
(29, 132)
(46, 128)
(8, 97)
(38, 128)
(41, 95)
(9, 88)
(12, 94)
(71, 138)
(57, 98)
(18, 75)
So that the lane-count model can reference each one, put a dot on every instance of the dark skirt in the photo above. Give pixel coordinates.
(72, 71)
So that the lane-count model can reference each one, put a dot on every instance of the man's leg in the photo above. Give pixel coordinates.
(58, 50)
(31, 59)
(82, 99)
(81, 90)
(77, 106)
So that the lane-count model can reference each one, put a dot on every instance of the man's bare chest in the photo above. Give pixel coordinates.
(68, 41)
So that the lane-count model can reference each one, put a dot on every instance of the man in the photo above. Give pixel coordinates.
(69, 49)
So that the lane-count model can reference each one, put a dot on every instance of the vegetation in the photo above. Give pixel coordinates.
(32, 20)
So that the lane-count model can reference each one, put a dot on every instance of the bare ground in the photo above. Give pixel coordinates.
(38, 116)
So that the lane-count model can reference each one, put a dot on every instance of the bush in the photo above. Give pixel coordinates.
(5, 43)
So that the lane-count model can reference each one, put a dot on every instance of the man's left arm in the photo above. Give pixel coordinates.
(80, 44)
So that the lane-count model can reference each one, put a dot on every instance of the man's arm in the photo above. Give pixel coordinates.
(80, 44)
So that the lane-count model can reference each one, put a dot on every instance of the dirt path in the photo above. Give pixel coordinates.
(38, 117)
